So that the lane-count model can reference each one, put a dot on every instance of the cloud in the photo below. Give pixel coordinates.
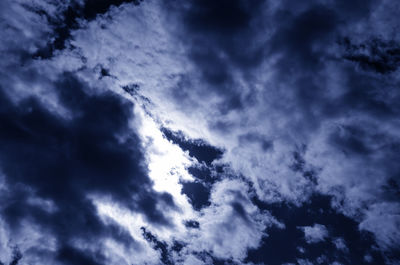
(64, 160)
(383, 220)
(305, 89)
(315, 233)
(293, 99)
(340, 244)
(231, 224)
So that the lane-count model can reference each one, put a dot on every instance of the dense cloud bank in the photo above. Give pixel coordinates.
(199, 132)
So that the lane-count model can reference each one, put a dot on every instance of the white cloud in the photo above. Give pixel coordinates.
(340, 244)
(141, 252)
(304, 262)
(232, 224)
(383, 220)
(368, 258)
(138, 46)
(315, 233)
(26, 240)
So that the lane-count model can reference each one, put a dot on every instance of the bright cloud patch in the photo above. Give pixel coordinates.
(315, 233)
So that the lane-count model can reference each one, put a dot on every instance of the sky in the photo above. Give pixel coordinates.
(227, 132)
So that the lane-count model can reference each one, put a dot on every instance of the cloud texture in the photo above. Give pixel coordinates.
(199, 132)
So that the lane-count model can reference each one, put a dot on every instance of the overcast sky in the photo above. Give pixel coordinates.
(199, 132)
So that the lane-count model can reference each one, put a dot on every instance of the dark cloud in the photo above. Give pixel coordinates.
(307, 29)
(298, 36)
(219, 26)
(66, 159)
(304, 40)
(220, 36)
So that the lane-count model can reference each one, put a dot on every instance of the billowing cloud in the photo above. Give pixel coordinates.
(315, 233)
(199, 132)
(231, 224)
(53, 164)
